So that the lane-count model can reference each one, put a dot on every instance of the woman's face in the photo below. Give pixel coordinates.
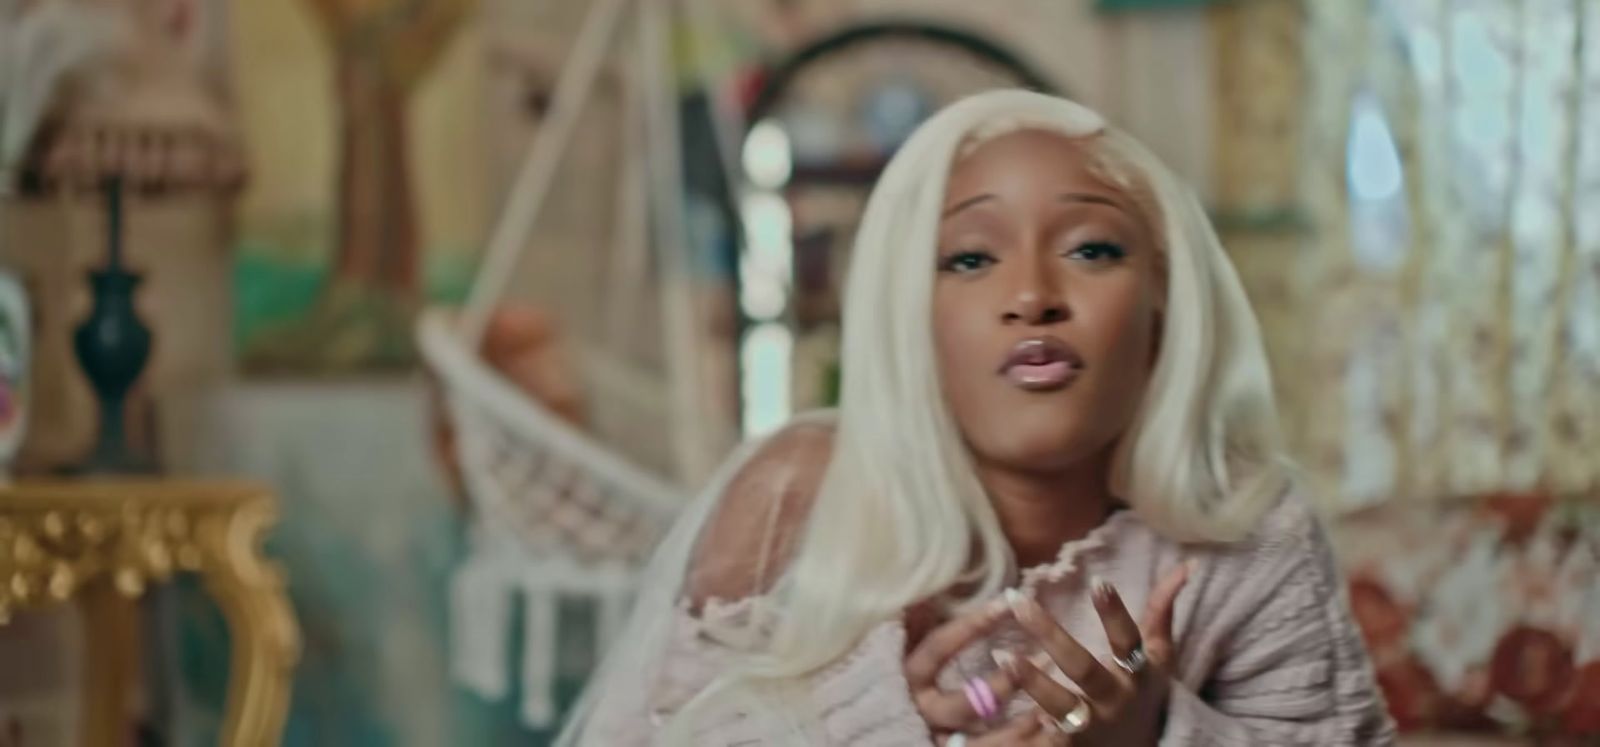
(1046, 304)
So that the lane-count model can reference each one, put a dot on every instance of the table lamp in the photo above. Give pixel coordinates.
(139, 121)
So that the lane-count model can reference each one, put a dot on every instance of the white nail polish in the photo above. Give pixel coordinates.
(1018, 603)
(1006, 660)
(1102, 588)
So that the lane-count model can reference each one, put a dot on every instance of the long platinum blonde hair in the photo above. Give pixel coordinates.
(900, 508)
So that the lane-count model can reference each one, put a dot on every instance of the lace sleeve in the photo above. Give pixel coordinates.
(740, 550)
(731, 554)
(759, 517)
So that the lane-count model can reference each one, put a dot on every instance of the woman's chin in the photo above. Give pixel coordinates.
(1047, 447)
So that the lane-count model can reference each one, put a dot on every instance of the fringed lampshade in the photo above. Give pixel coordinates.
(147, 122)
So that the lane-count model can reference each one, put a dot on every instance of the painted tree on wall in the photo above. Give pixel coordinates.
(382, 50)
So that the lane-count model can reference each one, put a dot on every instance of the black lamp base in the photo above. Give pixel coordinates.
(113, 346)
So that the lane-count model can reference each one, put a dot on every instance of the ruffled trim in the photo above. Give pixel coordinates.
(716, 610)
(1067, 565)
(735, 623)
(717, 616)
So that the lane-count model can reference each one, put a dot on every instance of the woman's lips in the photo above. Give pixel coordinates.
(1041, 377)
(1042, 364)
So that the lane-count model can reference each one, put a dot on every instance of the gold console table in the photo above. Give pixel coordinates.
(103, 542)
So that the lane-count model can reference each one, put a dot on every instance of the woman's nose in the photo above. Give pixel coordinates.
(1036, 297)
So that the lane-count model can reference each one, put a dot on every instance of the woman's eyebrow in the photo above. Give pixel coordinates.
(964, 204)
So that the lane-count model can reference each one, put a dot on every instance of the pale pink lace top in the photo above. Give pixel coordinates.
(1267, 652)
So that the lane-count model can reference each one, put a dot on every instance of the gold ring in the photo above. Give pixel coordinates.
(1076, 719)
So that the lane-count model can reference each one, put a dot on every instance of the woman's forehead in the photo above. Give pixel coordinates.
(1033, 159)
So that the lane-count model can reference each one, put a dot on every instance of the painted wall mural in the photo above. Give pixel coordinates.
(367, 196)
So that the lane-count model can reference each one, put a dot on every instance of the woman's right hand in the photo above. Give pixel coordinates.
(1031, 729)
(951, 712)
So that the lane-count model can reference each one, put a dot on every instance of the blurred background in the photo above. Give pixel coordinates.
(453, 302)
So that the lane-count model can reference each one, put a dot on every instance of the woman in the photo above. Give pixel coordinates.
(1056, 415)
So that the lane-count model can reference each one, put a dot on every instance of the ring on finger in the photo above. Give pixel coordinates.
(1076, 720)
(1134, 662)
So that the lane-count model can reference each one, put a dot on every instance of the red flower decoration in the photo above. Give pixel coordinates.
(1382, 620)
(1475, 690)
(1583, 710)
(1532, 667)
(1413, 695)
(1464, 709)
(1521, 513)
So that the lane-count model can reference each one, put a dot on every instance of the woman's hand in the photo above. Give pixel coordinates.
(1122, 700)
(952, 712)
(1032, 729)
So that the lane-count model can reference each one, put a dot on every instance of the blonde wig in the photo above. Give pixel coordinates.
(900, 509)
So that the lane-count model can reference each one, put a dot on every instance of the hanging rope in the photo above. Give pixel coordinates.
(533, 183)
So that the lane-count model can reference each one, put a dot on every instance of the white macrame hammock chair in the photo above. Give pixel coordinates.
(557, 513)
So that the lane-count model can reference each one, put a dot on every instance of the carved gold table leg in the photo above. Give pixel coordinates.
(265, 639)
(104, 542)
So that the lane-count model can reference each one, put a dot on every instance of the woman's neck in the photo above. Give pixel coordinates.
(1041, 511)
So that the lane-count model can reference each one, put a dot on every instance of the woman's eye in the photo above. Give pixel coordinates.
(1098, 251)
(967, 261)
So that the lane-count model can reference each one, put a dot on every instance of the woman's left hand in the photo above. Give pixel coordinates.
(1122, 700)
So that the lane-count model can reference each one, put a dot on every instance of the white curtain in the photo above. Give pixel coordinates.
(1448, 290)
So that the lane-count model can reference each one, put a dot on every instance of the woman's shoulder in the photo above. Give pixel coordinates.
(783, 468)
(1289, 533)
(1291, 520)
(761, 511)
(1285, 570)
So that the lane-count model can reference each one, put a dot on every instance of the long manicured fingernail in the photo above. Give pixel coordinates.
(1017, 603)
(1103, 591)
(1006, 660)
(1041, 661)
